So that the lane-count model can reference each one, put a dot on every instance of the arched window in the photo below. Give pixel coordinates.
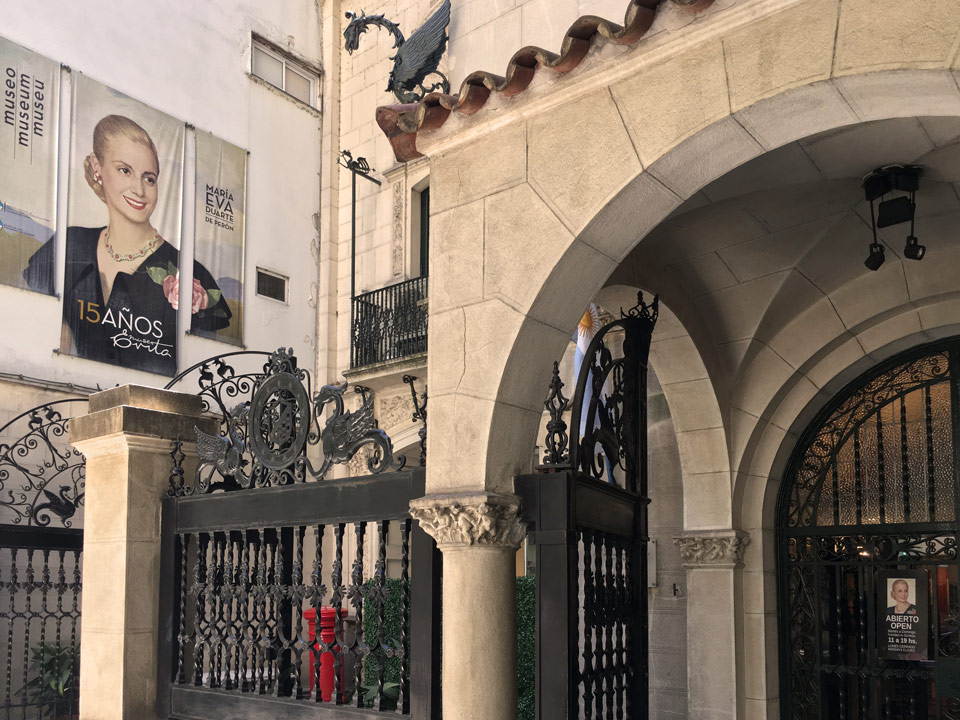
(867, 548)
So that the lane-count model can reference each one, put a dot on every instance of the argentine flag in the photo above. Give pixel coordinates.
(586, 330)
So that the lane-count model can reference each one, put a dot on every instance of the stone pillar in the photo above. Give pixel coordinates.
(713, 560)
(126, 438)
(478, 534)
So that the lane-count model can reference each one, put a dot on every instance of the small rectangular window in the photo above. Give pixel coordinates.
(274, 66)
(271, 285)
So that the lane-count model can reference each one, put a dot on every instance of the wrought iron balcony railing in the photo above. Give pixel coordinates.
(389, 323)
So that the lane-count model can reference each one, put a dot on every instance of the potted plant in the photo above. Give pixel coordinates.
(53, 680)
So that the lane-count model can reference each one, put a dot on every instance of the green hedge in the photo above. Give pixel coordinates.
(526, 650)
(526, 628)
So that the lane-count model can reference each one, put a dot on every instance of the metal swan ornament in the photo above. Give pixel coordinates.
(223, 454)
(345, 432)
(416, 57)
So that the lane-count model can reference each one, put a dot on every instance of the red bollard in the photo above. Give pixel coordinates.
(327, 635)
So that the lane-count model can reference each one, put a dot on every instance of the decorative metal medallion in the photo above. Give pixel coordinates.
(281, 413)
(264, 441)
(417, 57)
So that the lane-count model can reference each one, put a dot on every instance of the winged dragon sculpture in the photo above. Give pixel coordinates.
(345, 432)
(223, 454)
(416, 58)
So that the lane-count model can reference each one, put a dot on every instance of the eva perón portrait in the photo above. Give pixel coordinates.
(903, 615)
(121, 284)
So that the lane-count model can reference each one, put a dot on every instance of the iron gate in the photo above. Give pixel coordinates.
(41, 546)
(871, 500)
(587, 510)
(260, 616)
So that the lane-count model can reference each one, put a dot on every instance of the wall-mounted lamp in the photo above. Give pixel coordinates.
(893, 211)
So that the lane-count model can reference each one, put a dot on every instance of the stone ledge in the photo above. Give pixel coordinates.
(128, 420)
(148, 398)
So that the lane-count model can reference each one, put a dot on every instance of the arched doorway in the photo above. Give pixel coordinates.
(868, 511)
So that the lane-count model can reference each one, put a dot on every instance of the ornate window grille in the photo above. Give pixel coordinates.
(872, 489)
(389, 323)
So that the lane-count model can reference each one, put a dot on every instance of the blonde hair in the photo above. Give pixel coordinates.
(108, 128)
(899, 581)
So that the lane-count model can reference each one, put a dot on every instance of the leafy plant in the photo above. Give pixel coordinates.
(53, 680)
(391, 693)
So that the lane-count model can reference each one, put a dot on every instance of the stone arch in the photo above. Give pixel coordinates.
(504, 393)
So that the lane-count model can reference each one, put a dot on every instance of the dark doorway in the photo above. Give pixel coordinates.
(868, 512)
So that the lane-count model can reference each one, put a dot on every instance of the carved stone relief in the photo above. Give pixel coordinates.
(395, 410)
(397, 251)
(715, 549)
(475, 519)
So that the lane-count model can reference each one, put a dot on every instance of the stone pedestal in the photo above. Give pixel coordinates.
(478, 535)
(126, 438)
(713, 560)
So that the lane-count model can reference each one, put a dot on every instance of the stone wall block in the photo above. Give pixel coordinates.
(761, 380)
(523, 240)
(490, 163)
(693, 405)
(878, 96)
(489, 326)
(881, 34)
(446, 334)
(579, 155)
(667, 102)
(464, 423)
(456, 253)
(706, 156)
(565, 294)
(707, 500)
(801, 112)
(618, 227)
(784, 50)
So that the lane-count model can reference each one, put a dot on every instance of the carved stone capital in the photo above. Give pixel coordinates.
(462, 520)
(693, 6)
(723, 548)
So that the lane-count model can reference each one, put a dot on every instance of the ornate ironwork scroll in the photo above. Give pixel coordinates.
(419, 415)
(263, 440)
(41, 475)
(615, 415)
(874, 415)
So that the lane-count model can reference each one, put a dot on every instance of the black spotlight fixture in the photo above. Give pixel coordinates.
(895, 210)
(875, 258)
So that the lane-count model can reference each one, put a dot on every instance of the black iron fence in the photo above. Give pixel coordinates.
(260, 617)
(265, 621)
(389, 323)
(587, 515)
(41, 508)
(40, 621)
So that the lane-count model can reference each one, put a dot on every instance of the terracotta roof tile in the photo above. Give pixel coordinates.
(401, 123)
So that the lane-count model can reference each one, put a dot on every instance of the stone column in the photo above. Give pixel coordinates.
(478, 534)
(713, 560)
(126, 438)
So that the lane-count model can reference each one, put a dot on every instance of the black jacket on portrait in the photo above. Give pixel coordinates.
(137, 328)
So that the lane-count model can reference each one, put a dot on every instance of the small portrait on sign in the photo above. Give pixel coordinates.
(903, 615)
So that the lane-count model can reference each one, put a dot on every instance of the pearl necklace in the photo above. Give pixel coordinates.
(131, 256)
